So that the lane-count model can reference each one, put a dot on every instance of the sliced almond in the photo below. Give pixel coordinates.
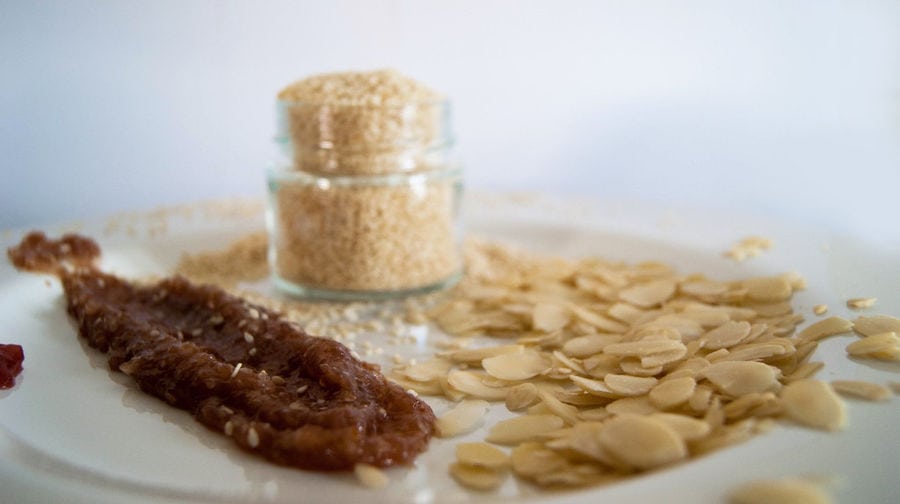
(521, 396)
(595, 387)
(767, 289)
(727, 335)
(565, 411)
(591, 344)
(825, 328)
(625, 312)
(862, 390)
(631, 406)
(642, 442)
(370, 476)
(875, 324)
(627, 385)
(524, 428)
(703, 288)
(737, 378)
(861, 303)
(814, 403)
(516, 366)
(599, 321)
(804, 371)
(473, 385)
(476, 477)
(872, 344)
(531, 459)
(462, 418)
(644, 348)
(688, 428)
(427, 371)
(671, 393)
(476, 355)
(549, 317)
(482, 455)
(650, 293)
(783, 491)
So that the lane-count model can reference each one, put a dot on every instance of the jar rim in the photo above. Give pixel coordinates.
(438, 102)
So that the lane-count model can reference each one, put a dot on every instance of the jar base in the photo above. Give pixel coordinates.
(299, 291)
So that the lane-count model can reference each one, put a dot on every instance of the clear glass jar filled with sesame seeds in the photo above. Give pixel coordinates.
(364, 202)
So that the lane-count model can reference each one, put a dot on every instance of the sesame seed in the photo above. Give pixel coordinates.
(237, 368)
(252, 438)
(248, 337)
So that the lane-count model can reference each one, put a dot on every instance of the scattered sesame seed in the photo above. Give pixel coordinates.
(237, 368)
(252, 437)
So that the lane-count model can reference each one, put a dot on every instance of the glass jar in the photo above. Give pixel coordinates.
(364, 203)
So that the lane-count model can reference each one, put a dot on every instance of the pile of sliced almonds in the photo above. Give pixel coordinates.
(618, 369)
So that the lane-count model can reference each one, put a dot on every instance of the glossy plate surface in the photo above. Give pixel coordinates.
(72, 431)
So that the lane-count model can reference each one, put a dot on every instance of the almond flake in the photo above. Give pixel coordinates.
(783, 491)
(462, 419)
(475, 477)
(814, 403)
(549, 317)
(482, 455)
(625, 312)
(876, 324)
(727, 335)
(524, 428)
(521, 396)
(427, 371)
(825, 328)
(643, 348)
(650, 293)
(820, 309)
(594, 387)
(873, 344)
(531, 459)
(631, 406)
(370, 476)
(516, 366)
(642, 442)
(737, 378)
(599, 321)
(703, 288)
(476, 355)
(688, 428)
(670, 393)
(473, 384)
(862, 389)
(861, 303)
(626, 385)
(767, 289)
(584, 346)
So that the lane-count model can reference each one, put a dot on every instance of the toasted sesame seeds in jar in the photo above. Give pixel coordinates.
(365, 203)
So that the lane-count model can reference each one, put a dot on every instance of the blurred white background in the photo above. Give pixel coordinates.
(784, 109)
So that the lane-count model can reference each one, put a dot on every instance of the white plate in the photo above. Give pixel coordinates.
(72, 431)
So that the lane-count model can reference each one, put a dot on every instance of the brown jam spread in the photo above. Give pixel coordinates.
(11, 357)
(239, 368)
